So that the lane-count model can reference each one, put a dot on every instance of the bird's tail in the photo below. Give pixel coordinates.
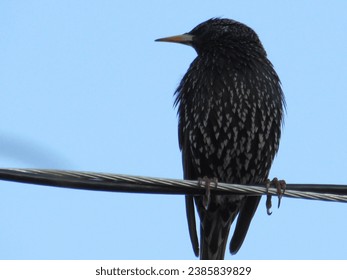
(215, 223)
(215, 227)
(211, 250)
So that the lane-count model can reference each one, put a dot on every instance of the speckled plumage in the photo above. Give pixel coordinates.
(230, 108)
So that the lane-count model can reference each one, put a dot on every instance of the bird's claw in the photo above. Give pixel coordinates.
(280, 186)
(207, 196)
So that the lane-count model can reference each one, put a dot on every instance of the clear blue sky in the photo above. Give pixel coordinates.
(84, 87)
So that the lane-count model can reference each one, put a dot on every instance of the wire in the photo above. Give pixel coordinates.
(137, 184)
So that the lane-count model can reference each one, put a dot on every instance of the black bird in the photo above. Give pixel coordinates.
(230, 108)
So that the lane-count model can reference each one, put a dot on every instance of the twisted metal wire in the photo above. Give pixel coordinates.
(139, 184)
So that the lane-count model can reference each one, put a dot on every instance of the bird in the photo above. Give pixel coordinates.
(230, 107)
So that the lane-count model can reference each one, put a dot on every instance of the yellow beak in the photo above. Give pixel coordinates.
(185, 39)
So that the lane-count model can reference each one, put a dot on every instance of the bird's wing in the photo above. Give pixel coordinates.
(190, 211)
(189, 174)
(244, 219)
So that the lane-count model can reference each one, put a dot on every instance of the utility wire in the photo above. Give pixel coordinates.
(138, 184)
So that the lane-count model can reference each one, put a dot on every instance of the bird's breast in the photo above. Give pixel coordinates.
(230, 128)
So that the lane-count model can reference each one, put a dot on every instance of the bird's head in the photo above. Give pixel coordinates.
(216, 34)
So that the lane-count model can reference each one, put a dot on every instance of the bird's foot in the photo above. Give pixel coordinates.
(280, 185)
(207, 182)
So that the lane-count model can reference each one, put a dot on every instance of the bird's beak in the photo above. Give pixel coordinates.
(185, 39)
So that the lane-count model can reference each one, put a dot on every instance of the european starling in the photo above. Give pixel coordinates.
(230, 108)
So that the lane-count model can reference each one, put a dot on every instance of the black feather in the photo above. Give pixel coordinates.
(230, 107)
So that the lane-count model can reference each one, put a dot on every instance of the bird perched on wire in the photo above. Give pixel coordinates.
(230, 107)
